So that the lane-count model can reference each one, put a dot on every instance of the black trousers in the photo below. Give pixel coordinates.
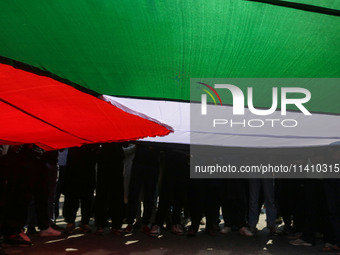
(27, 177)
(234, 202)
(71, 205)
(290, 194)
(332, 188)
(142, 177)
(175, 177)
(59, 190)
(204, 200)
(79, 183)
(109, 201)
(316, 214)
(3, 187)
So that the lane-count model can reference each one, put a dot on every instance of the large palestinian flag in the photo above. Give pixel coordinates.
(141, 54)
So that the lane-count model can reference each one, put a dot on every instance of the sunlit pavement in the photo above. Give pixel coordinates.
(138, 243)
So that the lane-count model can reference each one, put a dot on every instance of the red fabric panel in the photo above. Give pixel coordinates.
(37, 109)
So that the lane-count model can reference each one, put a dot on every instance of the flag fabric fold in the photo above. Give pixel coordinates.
(40, 110)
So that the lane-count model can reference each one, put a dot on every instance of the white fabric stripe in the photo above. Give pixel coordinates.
(315, 130)
(127, 109)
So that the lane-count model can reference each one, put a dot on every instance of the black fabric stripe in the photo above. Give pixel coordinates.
(300, 6)
(37, 71)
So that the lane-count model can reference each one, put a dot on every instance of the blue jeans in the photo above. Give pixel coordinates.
(269, 201)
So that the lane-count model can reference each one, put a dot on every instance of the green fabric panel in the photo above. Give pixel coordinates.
(149, 48)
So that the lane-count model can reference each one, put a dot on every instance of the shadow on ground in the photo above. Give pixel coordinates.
(138, 243)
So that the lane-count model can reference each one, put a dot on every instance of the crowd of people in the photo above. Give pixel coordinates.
(148, 187)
